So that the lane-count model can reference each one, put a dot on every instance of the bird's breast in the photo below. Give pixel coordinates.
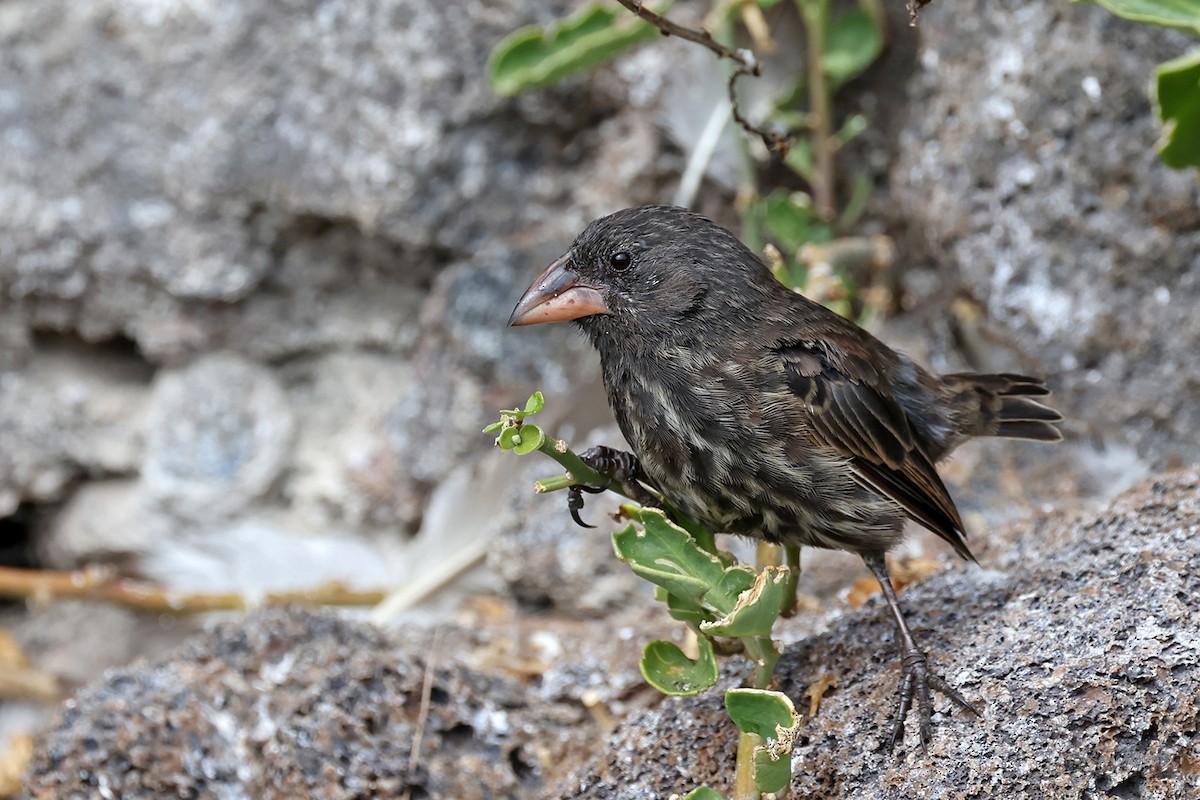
(733, 452)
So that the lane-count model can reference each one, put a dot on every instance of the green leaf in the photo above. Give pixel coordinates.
(535, 405)
(852, 127)
(760, 711)
(531, 439)
(770, 719)
(509, 438)
(666, 668)
(1177, 94)
(772, 773)
(859, 195)
(495, 426)
(790, 218)
(681, 609)
(756, 609)
(1167, 13)
(664, 554)
(539, 56)
(703, 792)
(852, 43)
(800, 160)
(734, 582)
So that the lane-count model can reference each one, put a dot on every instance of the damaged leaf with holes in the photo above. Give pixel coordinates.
(768, 719)
(668, 669)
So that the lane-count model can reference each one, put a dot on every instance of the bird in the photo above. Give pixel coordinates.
(753, 410)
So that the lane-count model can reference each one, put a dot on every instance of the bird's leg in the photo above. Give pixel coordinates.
(917, 678)
(621, 468)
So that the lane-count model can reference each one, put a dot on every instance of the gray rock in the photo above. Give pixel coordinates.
(312, 186)
(289, 704)
(1027, 175)
(181, 153)
(1076, 639)
(101, 521)
(68, 412)
(218, 435)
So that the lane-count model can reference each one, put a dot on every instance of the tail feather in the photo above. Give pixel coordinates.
(1029, 429)
(1016, 409)
(1001, 405)
(1005, 384)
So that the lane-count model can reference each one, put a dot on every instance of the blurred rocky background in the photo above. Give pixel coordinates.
(255, 264)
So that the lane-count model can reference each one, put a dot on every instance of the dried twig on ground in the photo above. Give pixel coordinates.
(102, 585)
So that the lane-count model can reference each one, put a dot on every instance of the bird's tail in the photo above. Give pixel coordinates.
(1005, 405)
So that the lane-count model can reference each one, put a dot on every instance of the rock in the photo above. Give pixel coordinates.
(77, 640)
(182, 182)
(218, 435)
(288, 704)
(1027, 175)
(70, 411)
(103, 521)
(157, 181)
(253, 556)
(1076, 640)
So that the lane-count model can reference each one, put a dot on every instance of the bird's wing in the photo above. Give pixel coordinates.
(854, 414)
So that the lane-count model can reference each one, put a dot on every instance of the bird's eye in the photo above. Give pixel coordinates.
(620, 260)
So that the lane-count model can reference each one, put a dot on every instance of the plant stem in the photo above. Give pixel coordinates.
(700, 37)
(816, 22)
(792, 556)
(554, 484)
(744, 785)
(768, 555)
(577, 471)
(761, 650)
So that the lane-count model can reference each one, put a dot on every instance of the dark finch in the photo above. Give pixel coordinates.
(755, 411)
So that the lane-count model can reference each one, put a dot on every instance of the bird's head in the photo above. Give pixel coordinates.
(642, 272)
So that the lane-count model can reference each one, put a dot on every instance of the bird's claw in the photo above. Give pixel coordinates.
(623, 469)
(917, 682)
(575, 502)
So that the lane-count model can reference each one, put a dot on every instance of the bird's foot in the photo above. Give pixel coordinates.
(621, 468)
(917, 682)
(575, 502)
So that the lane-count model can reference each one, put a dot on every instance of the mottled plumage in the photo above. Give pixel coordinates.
(759, 412)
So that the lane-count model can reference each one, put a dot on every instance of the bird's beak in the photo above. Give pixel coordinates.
(557, 295)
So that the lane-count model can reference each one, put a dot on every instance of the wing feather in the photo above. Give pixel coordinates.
(861, 420)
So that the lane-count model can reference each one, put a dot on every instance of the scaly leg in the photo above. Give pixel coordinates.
(917, 679)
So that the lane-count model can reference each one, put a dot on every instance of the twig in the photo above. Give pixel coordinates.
(428, 581)
(414, 753)
(700, 37)
(26, 683)
(104, 586)
(913, 7)
(775, 142)
(14, 760)
(749, 65)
